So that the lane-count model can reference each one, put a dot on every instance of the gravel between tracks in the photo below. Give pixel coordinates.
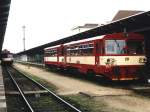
(117, 100)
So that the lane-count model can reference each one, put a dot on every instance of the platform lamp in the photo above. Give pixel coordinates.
(23, 27)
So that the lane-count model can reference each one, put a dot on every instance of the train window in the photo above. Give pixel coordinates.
(135, 47)
(51, 52)
(72, 51)
(91, 45)
(10, 56)
(115, 47)
(80, 50)
(4, 55)
(89, 51)
(86, 49)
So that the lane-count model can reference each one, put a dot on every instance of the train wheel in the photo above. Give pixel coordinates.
(90, 74)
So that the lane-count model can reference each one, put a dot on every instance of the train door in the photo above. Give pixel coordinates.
(97, 48)
(62, 57)
(58, 53)
(64, 54)
(98, 51)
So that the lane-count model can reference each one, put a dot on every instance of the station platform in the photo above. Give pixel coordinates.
(3, 107)
(31, 63)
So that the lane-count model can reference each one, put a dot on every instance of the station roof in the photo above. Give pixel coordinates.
(88, 25)
(135, 23)
(125, 13)
(4, 12)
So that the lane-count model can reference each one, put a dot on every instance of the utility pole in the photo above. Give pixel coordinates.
(23, 27)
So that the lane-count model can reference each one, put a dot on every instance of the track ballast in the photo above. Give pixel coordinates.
(35, 96)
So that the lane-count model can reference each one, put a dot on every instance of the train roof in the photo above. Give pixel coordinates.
(93, 38)
(75, 42)
(5, 51)
(85, 40)
(52, 47)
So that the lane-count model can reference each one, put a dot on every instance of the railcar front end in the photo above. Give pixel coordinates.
(6, 58)
(123, 57)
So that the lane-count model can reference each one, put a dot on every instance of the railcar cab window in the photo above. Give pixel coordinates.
(135, 47)
(51, 52)
(4, 55)
(115, 46)
(10, 56)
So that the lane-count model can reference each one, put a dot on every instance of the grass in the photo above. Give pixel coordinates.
(88, 104)
(47, 104)
(42, 81)
(14, 104)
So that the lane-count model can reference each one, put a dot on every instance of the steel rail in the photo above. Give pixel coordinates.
(52, 93)
(21, 92)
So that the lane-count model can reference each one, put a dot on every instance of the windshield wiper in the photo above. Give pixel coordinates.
(117, 44)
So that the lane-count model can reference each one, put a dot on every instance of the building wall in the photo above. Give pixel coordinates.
(37, 58)
(21, 58)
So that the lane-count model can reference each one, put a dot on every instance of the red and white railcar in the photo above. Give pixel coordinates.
(116, 56)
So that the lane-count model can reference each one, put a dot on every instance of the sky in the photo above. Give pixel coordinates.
(50, 20)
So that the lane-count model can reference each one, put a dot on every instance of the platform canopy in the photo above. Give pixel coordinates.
(4, 12)
(135, 23)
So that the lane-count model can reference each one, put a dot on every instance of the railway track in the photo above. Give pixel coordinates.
(35, 96)
(142, 89)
